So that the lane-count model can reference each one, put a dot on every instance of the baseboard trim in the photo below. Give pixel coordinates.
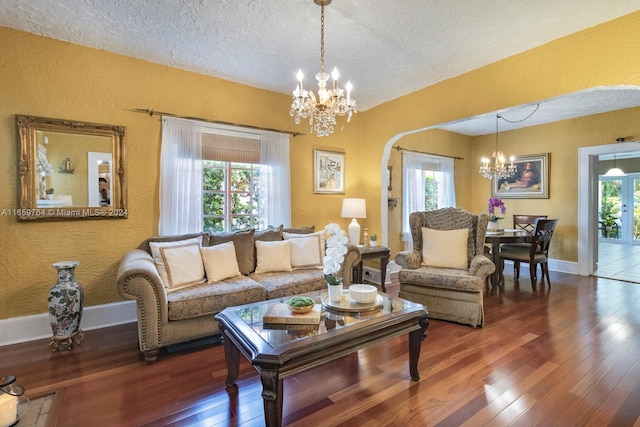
(28, 328)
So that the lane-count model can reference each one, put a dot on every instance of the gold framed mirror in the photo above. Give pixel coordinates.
(70, 169)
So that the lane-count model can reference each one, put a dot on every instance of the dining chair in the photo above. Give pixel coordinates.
(528, 224)
(534, 253)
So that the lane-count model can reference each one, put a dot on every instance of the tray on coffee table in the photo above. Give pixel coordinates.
(346, 304)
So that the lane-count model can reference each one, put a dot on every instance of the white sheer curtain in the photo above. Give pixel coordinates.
(180, 177)
(412, 192)
(275, 180)
(414, 169)
(447, 193)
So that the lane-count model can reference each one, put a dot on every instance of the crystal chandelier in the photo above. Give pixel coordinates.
(322, 110)
(496, 166)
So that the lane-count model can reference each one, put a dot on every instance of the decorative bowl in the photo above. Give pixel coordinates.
(300, 305)
(363, 294)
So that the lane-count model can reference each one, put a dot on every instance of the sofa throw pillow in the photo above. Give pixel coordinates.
(445, 248)
(183, 264)
(220, 262)
(306, 250)
(269, 234)
(273, 256)
(157, 256)
(243, 242)
(146, 245)
(299, 230)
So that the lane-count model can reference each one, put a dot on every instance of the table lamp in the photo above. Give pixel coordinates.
(354, 208)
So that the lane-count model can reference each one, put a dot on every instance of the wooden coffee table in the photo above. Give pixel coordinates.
(277, 353)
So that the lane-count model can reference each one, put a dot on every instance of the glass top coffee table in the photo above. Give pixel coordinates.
(277, 353)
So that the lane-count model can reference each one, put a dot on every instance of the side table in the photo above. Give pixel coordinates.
(379, 252)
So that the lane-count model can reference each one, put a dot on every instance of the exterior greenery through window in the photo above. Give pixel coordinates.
(230, 195)
(431, 190)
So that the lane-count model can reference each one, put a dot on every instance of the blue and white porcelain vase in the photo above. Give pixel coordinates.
(66, 301)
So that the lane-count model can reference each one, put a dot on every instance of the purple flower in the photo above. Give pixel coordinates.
(496, 202)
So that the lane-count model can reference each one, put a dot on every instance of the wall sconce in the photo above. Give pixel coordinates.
(393, 202)
(66, 167)
(13, 400)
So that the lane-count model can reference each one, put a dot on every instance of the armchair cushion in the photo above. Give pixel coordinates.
(445, 248)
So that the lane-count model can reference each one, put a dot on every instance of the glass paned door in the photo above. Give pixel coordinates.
(634, 208)
(619, 209)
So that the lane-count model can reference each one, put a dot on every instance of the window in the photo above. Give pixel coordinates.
(230, 204)
(427, 184)
(222, 178)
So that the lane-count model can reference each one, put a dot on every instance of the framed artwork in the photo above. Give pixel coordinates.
(328, 172)
(531, 180)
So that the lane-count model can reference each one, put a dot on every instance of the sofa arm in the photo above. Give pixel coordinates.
(138, 279)
(351, 259)
(408, 259)
(481, 266)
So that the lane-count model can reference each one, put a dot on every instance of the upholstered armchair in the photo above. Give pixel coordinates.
(447, 269)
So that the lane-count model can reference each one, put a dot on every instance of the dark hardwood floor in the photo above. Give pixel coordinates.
(564, 356)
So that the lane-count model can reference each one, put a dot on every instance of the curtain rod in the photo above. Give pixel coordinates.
(424, 152)
(152, 112)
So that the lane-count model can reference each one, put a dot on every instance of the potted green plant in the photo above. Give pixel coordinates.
(373, 240)
(49, 192)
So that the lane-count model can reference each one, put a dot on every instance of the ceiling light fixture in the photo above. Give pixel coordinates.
(322, 110)
(614, 171)
(496, 167)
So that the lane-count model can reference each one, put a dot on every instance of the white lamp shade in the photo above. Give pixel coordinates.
(354, 208)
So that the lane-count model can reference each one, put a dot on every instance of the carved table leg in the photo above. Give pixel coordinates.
(272, 397)
(415, 343)
(232, 356)
(384, 260)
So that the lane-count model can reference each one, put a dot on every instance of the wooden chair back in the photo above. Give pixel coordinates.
(541, 239)
(526, 222)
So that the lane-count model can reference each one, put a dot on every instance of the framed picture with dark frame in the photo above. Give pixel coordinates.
(328, 172)
(531, 180)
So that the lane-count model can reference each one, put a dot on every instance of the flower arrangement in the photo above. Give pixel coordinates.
(336, 250)
(496, 202)
(43, 167)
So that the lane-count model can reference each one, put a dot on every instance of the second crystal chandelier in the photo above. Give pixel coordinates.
(322, 110)
(496, 166)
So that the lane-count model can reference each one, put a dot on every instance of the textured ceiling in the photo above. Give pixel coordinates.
(386, 48)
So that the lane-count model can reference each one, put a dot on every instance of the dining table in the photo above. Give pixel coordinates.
(497, 238)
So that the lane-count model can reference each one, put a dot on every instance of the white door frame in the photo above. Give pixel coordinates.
(93, 158)
(588, 201)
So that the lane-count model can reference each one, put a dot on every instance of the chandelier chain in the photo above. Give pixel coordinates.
(322, 40)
